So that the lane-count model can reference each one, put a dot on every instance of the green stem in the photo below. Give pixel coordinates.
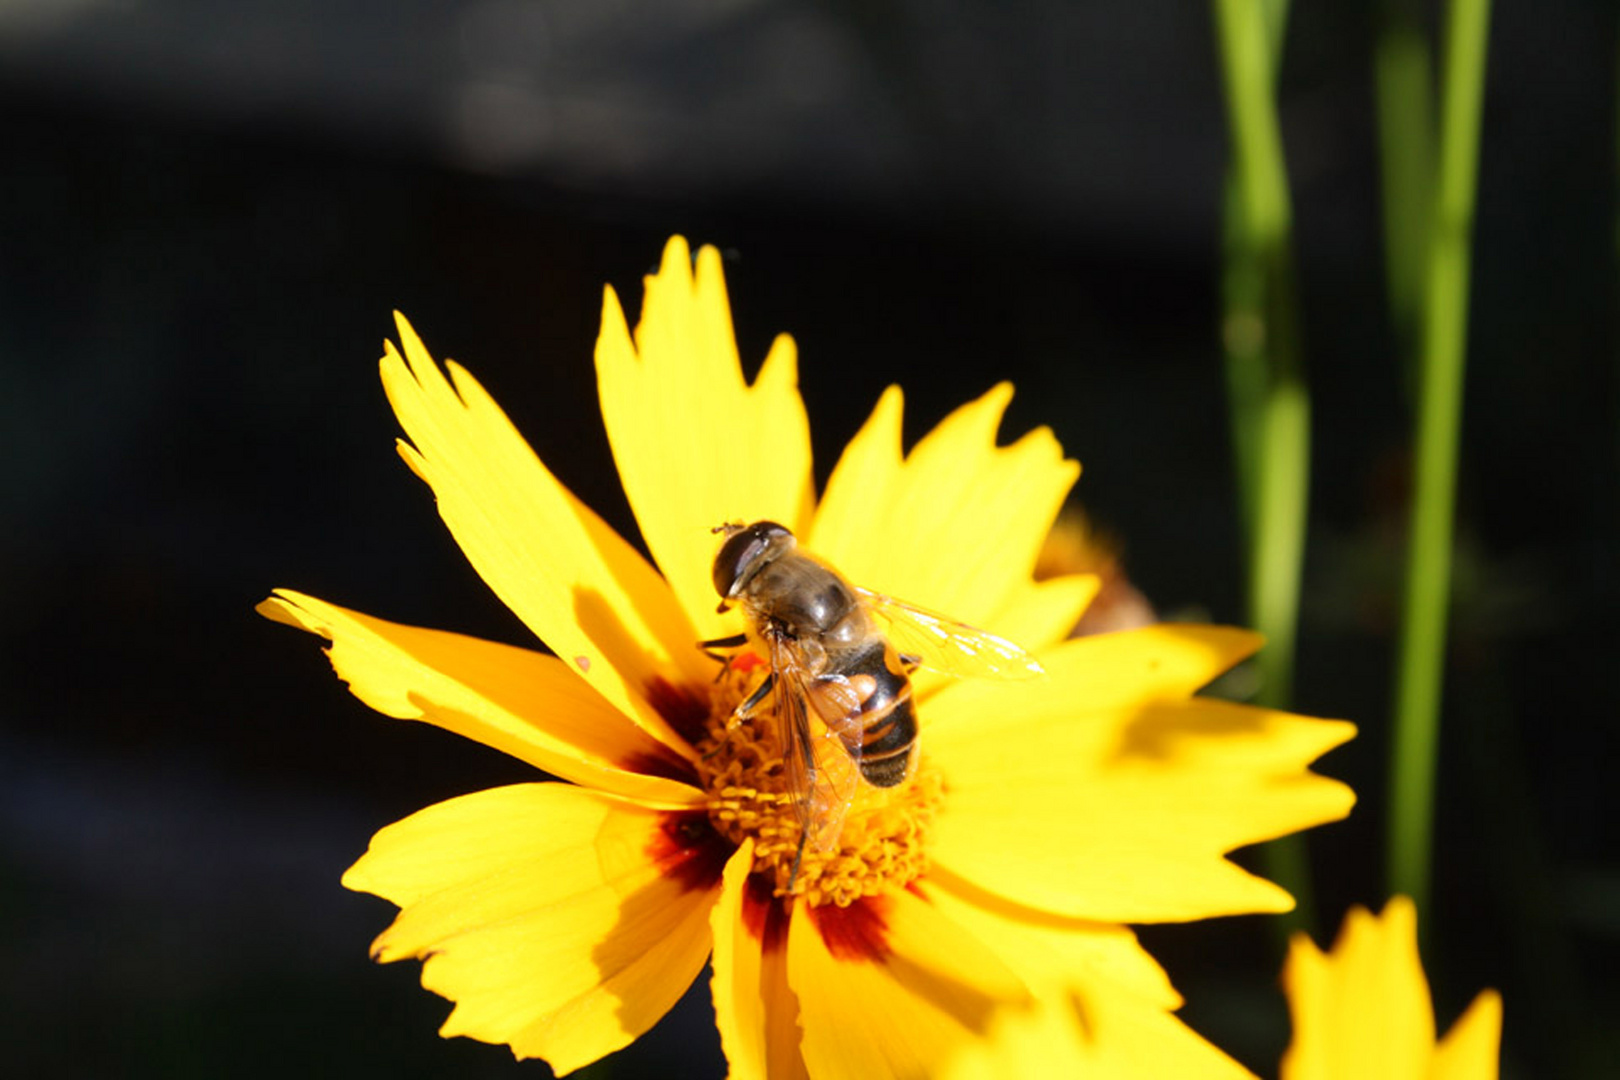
(1428, 581)
(1270, 407)
(1243, 339)
(1401, 76)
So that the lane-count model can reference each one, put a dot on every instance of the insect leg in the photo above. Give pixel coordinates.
(798, 857)
(801, 734)
(724, 659)
(737, 640)
(746, 708)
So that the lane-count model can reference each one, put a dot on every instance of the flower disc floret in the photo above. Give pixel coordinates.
(883, 843)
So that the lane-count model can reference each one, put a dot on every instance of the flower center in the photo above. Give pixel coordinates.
(883, 842)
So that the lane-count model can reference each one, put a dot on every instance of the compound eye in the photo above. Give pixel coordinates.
(746, 550)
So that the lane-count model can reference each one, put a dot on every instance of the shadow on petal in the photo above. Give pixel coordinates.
(1209, 732)
(675, 713)
(690, 858)
(1161, 732)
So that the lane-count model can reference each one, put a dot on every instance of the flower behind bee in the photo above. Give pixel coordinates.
(1075, 546)
(983, 897)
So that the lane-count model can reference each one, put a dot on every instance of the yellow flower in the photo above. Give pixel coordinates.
(987, 895)
(1363, 1010)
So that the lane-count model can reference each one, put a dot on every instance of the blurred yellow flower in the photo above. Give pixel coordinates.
(1363, 1009)
(987, 895)
(1074, 546)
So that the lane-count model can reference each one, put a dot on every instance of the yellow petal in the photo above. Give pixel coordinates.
(756, 1012)
(1042, 1041)
(696, 446)
(1095, 1035)
(1471, 1050)
(584, 592)
(1052, 953)
(561, 921)
(1128, 1040)
(957, 524)
(1104, 1002)
(890, 987)
(1046, 611)
(1364, 1010)
(1162, 662)
(1101, 792)
(521, 702)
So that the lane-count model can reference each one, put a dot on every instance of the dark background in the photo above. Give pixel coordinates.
(205, 221)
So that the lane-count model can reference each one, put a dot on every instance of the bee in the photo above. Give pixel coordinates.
(828, 659)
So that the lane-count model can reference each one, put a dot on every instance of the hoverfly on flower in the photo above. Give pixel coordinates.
(829, 659)
(981, 897)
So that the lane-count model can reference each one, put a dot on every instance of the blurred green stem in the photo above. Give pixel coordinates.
(1402, 78)
(1443, 346)
(1270, 409)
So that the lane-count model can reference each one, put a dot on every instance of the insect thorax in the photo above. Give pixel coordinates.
(808, 600)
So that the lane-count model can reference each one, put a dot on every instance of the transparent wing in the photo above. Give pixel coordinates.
(947, 646)
(822, 773)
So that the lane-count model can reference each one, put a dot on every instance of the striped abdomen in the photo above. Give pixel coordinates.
(886, 727)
